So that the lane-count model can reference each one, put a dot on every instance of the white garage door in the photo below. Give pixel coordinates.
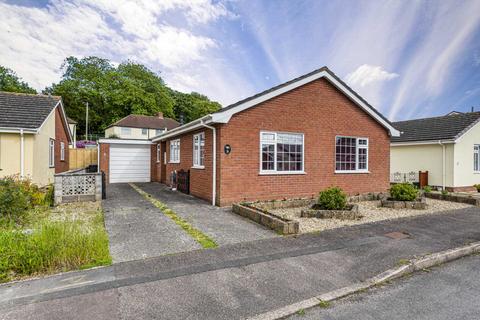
(129, 163)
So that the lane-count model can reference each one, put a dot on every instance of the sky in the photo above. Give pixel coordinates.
(409, 59)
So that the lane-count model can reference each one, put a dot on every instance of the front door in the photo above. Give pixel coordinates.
(163, 166)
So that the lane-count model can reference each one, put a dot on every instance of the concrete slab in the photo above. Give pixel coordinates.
(221, 224)
(138, 230)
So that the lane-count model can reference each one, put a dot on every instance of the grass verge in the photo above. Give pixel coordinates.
(204, 240)
(53, 243)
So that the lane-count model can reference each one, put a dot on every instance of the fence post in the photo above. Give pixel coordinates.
(98, 186)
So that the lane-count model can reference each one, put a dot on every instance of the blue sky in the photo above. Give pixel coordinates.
(409, 59)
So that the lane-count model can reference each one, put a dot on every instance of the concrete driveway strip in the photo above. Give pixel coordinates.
(138, 230)
(221, 224)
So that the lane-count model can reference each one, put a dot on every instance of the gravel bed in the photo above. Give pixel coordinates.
(370, 212)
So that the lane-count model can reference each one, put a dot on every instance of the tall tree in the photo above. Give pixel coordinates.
(9, 81)
(191, 106)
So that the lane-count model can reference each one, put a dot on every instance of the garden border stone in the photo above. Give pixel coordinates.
(352, 213)
(419, 204)
(281, 225)
(454, 198)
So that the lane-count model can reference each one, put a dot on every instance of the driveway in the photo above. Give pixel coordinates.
(221, 224)
(137, 229)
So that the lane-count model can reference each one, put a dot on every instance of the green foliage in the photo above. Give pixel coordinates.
(49, 196)
(52, 247)
(403, 192)
(477, 186)
(427, 189)
(332, 199)
(113, 136)
(115, 92)
(9, 81)
(444, 192)
(324, 304)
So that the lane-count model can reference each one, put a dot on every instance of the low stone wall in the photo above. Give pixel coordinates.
(74, 186)
(351, 213)
(420, 204)
(454, 198)
(368, 197)
(278, 224)
(282, 204)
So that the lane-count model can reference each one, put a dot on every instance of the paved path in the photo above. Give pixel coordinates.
(451, 291)
(137, 229)
(237, 280)
(221, 224)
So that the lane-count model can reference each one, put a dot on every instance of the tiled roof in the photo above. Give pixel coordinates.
(448, 127)
(150, 122)
(26, 111)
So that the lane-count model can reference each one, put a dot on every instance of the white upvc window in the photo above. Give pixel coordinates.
(62, 151)
(126, 131)
(476, 158)
(281, 153)
(351, 154)
(175, 151)
(144, 131)
(51, 153)
(159, 131)
(158, 152)
(199, 150)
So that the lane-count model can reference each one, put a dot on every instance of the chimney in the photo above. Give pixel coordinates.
(160, 115)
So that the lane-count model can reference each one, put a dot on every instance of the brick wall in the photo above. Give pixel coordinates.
(320, 112)
(105, 160)
(60, 136)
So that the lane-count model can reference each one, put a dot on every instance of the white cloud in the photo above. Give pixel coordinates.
(367, 74)
(35, 41)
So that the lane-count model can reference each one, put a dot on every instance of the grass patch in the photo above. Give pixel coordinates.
(324, 304)
(54, 240)
(403, 262)
(301, 312)
(204, 240)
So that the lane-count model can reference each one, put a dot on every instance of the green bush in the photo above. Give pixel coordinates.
(52, 247)
(477, 186)
(444, 192)
(403, 192)
(332, 199)
(427, 189)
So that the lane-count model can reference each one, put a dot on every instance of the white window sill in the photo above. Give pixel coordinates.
(176, 162)
(276, 173)
(351, 171)
(198, 167)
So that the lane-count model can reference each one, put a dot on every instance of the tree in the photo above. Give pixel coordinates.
(115, 92)
(9, 81)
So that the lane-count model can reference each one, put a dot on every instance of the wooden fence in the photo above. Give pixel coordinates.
(82, 157)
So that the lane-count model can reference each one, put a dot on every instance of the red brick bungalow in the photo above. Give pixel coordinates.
(292, 140)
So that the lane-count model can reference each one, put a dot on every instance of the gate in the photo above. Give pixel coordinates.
(183, 181)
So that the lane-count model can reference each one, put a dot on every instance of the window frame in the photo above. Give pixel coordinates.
(477, 152)
(159, 132)
(158, 152)
(357, 147)
(127, 129)
(62, 151)
(198, 156)
(144, 131)
(172, 142)
(275, 171)
(51, 153)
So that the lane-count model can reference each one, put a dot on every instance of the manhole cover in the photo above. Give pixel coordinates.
(397, 235)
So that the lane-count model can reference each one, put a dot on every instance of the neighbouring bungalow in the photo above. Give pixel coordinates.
(34, 136)
(448, 147)
(136, 126)
(290, 141)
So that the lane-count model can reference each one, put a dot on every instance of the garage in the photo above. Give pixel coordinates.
(128, 161)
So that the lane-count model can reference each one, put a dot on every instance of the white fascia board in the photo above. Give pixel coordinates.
(419, 143)
(224, 117)
(17, 130)
(124, 141)
(63, 115)
(185, 128)
(464, 132)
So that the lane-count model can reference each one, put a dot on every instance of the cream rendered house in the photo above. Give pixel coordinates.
(34, 136)
(448, 147)
(138, 127)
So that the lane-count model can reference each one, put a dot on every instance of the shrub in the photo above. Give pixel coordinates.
(427, 189)
(113, 136)
(477, 186)
(403, 192)
(15, 199)
(444, 192)
(332, 199)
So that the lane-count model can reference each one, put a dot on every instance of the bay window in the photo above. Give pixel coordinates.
(281, 152)
(351, 154)
(199, 150)
(175, 151)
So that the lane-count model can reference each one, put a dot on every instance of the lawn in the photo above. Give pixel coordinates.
(51, 240)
